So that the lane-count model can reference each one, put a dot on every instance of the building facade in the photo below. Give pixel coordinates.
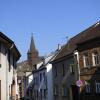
(25, 67)
(64, 75)
(42, 80)
(9, 55)
(89, 63)
(41, 87)
(28, 85)
(83, 53)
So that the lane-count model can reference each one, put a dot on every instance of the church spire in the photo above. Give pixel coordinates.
(32, 55)
(32, 44)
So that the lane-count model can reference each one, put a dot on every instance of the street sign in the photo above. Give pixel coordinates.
(79, 83)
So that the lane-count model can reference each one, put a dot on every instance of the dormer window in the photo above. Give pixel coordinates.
(95, 58)
(85, 60)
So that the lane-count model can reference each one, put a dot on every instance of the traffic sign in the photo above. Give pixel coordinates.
(79, 83)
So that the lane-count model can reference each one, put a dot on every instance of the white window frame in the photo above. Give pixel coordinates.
(97, 87)
(72, 68)
(95, 58)
(86, 60)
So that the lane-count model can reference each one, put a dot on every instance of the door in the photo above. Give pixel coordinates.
(75, 92)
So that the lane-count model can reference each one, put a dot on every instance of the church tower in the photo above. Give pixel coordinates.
(32, 55)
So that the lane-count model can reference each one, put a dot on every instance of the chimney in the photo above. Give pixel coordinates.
(67, 38)
(59, 46)
(43, 60)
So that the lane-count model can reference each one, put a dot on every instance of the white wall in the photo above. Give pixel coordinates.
(3, 74)
(6, 77)
(49, 82)
(30, 78)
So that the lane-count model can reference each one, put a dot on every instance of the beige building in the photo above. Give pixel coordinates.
(88, 57)
(76, 69)
(9, 55)
(64, 74)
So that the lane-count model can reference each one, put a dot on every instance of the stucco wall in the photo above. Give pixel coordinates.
(6, 76)
(49, 82)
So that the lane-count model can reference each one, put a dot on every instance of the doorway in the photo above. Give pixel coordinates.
(75, 92)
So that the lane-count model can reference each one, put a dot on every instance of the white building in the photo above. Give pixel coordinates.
(9, 55)
(42, 80)
(27, 84)
(26, 67)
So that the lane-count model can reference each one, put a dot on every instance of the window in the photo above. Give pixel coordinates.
(63, 69)
(64, 91)
(41, 93)
(37, 80)
(55, 90)
(9, 91)
(72, 68)
(97, 87)
(44, 76)
(87, 87)
(86, 60)
(40, 77)
(34, 80)
(55, 71)
(45, 93)
(95, 58)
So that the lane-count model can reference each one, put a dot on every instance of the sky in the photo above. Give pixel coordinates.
(50, 21)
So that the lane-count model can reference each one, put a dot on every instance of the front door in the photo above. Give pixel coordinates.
(75, 92)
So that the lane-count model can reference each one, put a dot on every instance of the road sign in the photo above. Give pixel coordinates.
(79, 83)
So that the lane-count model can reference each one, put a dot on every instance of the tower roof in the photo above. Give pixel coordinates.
(32, 44)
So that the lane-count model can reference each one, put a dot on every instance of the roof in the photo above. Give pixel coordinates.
(46, 60)
(32, 45)
(11, 43)
(24, 66)
(90, 33)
